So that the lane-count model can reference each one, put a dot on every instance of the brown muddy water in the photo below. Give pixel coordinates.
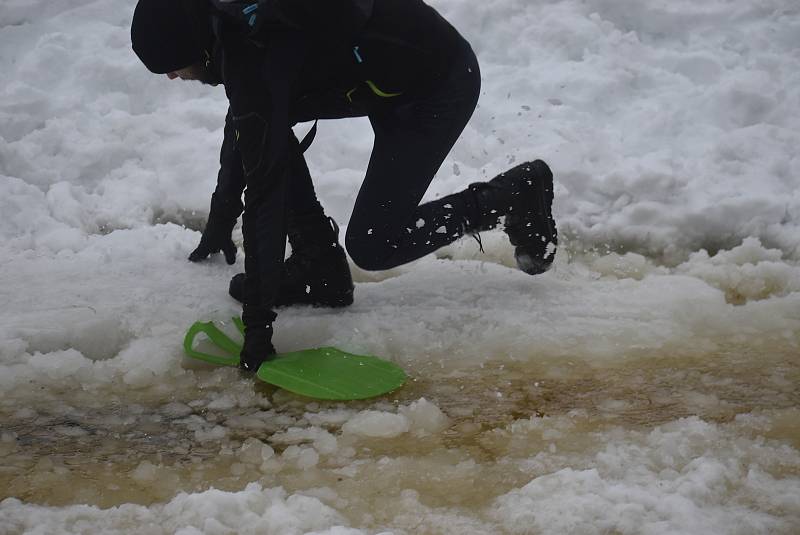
(222, 431)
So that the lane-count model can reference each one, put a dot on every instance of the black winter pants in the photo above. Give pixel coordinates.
(388, 226)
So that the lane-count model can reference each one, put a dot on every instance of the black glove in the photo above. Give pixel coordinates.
(217, 235)
(214, 240)
(257, 348)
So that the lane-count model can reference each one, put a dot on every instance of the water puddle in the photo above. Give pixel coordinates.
(111, 447)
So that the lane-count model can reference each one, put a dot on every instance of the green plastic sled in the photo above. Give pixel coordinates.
(322, 373)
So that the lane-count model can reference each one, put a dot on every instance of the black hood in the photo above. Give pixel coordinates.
(168, 35)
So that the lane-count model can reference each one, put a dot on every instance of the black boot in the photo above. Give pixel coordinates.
(316, 273)
(524, 195)
(257, 346)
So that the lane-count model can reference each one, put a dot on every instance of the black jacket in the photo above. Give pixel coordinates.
(309, 59)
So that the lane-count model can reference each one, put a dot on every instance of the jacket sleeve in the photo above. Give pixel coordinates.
(226, 202)
(264, 220)
(259, 131)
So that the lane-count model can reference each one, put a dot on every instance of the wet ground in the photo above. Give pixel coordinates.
(120, 445)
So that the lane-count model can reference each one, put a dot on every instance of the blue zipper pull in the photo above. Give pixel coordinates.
(248, 10)
(357, 55)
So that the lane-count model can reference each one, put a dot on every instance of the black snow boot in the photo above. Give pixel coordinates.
(524, 195)
(316, 273)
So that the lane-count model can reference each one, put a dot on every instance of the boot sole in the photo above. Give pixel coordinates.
(541, 188)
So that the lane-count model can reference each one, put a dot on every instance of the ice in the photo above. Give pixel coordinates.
(646, 384)
(145, 472)
(213, 511)
(424, 417)
(214, 433)
(256, 452)
(747, 272)
(377, 424)
(665, 481)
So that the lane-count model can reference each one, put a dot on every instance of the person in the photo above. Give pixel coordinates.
(397, 62)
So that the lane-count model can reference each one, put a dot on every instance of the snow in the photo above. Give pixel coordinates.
(647, 384)
(696, 492)
(253, 510)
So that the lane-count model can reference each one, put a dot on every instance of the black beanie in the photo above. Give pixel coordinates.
(168, 35)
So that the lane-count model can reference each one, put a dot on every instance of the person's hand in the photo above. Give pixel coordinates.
(257, 348)
(215, 240)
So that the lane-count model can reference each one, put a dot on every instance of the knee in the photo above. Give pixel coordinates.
(366, 250)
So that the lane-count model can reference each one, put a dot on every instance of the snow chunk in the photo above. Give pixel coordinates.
(424, 417)
(253, 451)
(749, 272)
(302, 456)
(420, 417)
(223, 403)
(145, 472)
(627, 266)
(207, 435)
(377, 424)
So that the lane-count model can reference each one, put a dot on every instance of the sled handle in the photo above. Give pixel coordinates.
(218, 338)
(239, 324)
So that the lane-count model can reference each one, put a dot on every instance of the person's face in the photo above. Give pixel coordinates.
(198, 72)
